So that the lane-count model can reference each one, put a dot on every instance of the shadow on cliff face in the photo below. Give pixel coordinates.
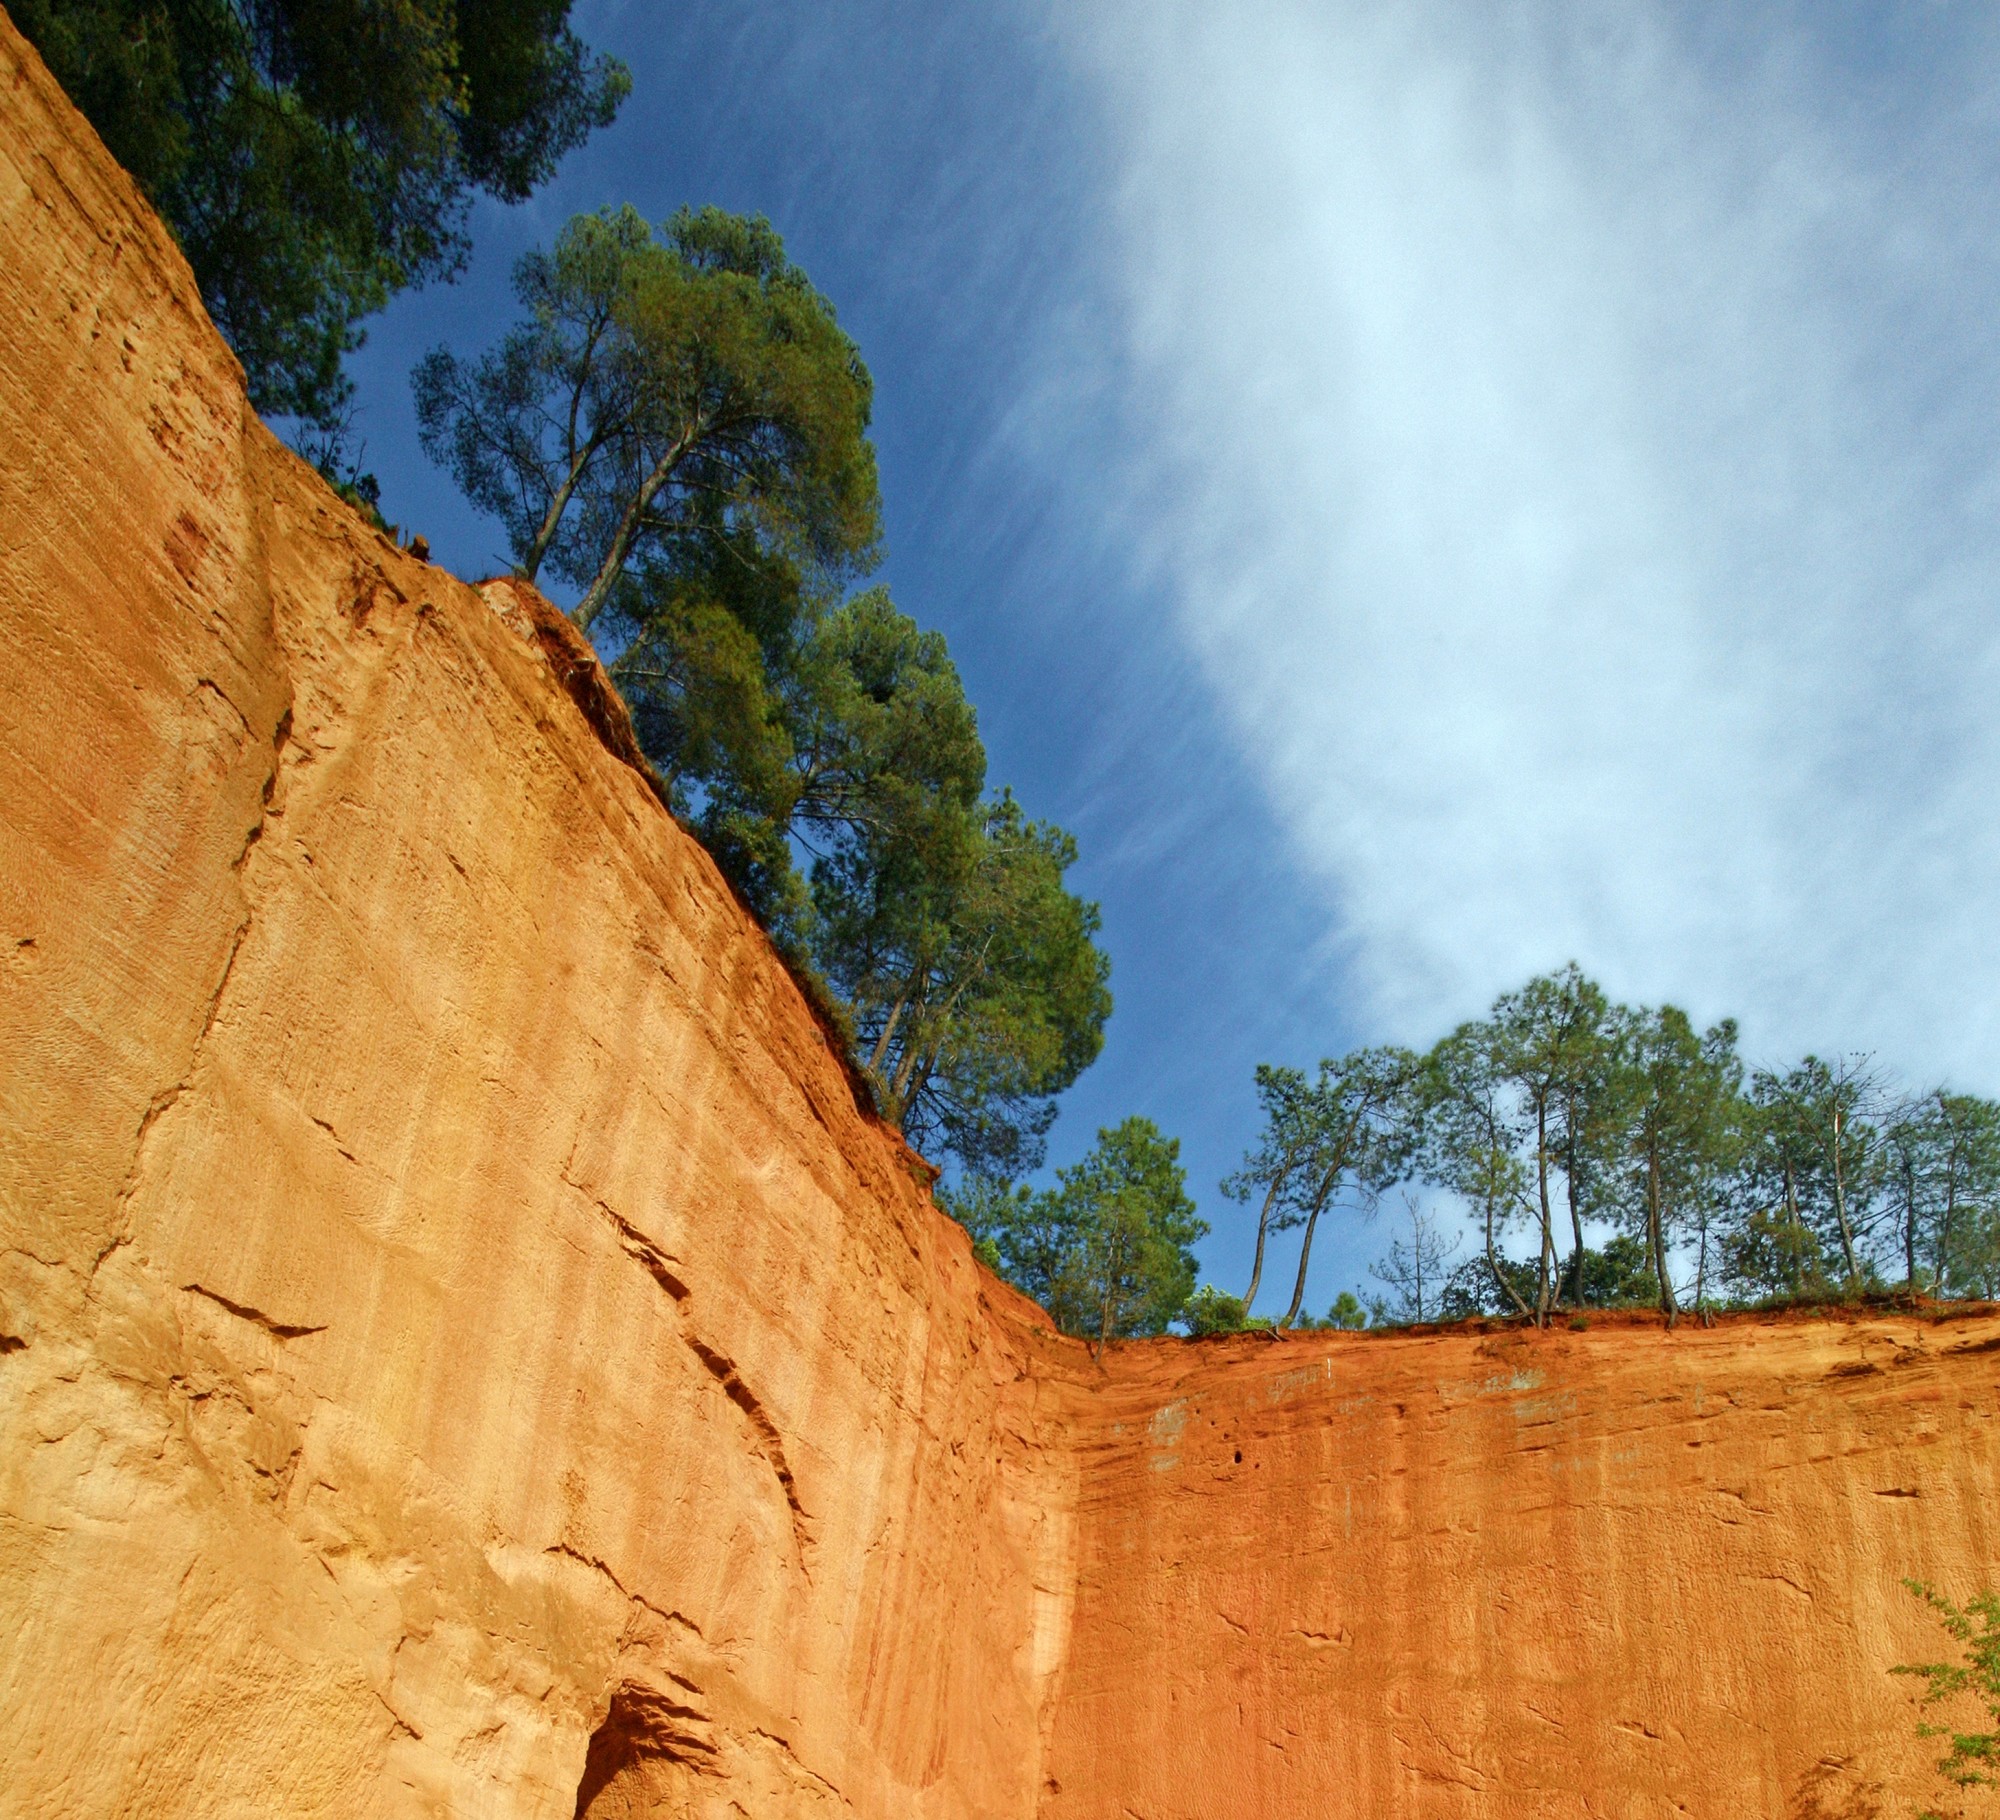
(1831, 1791)
(644, 1758)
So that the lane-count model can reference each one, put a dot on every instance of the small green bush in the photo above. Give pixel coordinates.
(1211, 1310)
(1974, 1758)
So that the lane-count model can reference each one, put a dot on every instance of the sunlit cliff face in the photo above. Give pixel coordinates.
(463, 1351)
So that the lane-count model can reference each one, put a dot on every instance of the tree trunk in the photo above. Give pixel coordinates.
(1792, 1211)
(1701, 1276)
(1576, 1227)
(881, 1051)
(1542, 1295)
(1840, 1205)
(1656, 1225)
(629, 521)
(1263, 1227)
(1950, 1199)
(1306, 1248)
(904, 1070)
(1910, 1233)
(1500, 1282)
(552, 520)
(1114, 1268)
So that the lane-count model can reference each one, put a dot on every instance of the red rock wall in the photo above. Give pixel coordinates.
(453, 1305)
(1616, 1572)
(463, 1352)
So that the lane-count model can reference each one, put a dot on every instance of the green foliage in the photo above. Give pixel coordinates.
(1804, 1186)
(1487, 1285)
(673, 402)
(678, 427)
(1134, 1267)
(1554, 1047)
(314, 157)
(1679, 1139)
(1347, 1315)
(1769, 1256)
(1973, 1761)
(1941, 1156)
(1210, 1310)
(1818, 1130)
(1617, 1275)
(1620, 1275)
(978, 990)
(1108, 1251)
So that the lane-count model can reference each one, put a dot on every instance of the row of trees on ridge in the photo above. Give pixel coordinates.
(1558, 1114)
(677, 429)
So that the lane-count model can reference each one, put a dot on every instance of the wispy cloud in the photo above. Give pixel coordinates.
(1574, 444)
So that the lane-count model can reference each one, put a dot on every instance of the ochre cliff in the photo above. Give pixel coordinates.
(1613, 1572)
(463, 1350)
(454, 1307)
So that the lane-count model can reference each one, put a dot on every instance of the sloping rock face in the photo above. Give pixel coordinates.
(463, 1351)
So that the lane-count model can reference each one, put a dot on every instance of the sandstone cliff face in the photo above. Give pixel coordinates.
(1605, 1573)
(464, 1352)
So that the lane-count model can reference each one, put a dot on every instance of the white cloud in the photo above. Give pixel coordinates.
(1574, 443)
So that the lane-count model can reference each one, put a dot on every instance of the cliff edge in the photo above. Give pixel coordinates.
(465, 1351)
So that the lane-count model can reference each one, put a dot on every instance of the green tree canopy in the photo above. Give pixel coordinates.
(670, 400)
(1470, 1137)
(1108, 1251)
(1348, 1131)
(1807, 1184)
(678, 427)
(1679, 1140)
(940, 916)
(1940, 1157)
(1553, 1044)
(1965, 1195)
(1135, 1264)
(313, 157)
(1814, 1170)
(978, 989)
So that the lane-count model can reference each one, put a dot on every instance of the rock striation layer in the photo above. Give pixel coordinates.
(465, 1351)
(1613, 1572)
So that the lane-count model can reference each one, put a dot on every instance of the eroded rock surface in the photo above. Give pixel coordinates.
(1611, 1572)
(463, 1351)
(465, 1346)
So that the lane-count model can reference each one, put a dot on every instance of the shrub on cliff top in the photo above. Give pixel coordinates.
(1109, 1250)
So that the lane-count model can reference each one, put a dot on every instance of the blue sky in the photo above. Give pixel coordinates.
(1423, 492)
